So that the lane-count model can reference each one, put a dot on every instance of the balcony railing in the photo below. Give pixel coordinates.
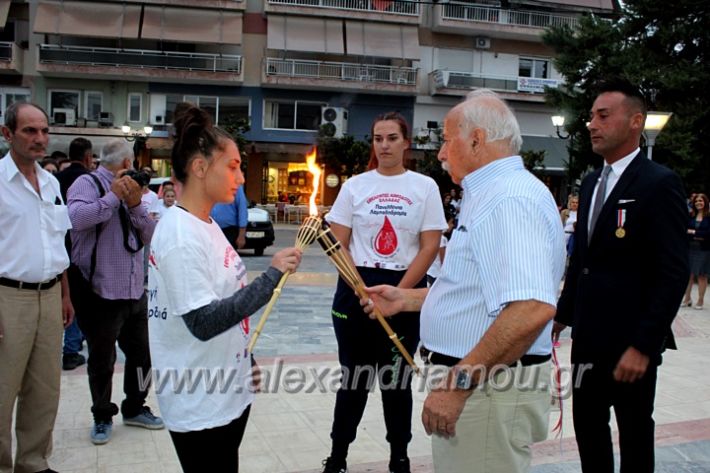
(397, 7)
(139, 58)
(6, 51)
(303, 68)
(469, 80)
(457, 11)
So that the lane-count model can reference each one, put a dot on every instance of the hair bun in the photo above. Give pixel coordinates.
(190, 117)
(194, 135)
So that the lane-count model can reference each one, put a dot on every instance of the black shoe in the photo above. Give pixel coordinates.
(333, 465)
(72, 360)
(48, 470)
(399, 466)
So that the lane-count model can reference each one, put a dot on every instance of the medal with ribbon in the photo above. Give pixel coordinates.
(620, 221)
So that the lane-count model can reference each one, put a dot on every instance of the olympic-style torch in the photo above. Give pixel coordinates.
(315, 228)
(304, 237)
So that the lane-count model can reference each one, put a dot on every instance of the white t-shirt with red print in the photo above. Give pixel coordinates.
(386, 214)
(200, 385)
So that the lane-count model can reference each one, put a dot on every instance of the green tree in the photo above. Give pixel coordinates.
(660, 46)
(429, 163)
(237, 127)
(534, 162)
(346, 155)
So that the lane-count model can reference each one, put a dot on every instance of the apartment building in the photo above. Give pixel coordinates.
(111, 68)
(498, 45)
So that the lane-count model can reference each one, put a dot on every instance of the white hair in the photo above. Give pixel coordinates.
(498, 121)
(115, 151)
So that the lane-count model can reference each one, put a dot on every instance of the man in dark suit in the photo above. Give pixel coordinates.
(624, 284)
(80, 156)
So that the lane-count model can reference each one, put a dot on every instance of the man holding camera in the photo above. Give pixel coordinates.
(110, 228)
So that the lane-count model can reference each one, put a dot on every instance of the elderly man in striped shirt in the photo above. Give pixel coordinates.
(488, 317)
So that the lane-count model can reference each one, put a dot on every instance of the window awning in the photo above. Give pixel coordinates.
(192, 25)
(382, 40)
(295, 33)
(103, 20)
(4, 8)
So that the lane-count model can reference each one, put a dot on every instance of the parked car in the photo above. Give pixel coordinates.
(156, 182)
(260, 231)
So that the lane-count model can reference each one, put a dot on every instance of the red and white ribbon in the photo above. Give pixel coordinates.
(620, 218)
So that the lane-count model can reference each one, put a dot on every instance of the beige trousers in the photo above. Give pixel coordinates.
(498, 424)
(30, 357)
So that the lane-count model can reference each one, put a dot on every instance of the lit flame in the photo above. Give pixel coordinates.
(315, 172)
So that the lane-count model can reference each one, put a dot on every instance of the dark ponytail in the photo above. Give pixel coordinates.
(194, 135)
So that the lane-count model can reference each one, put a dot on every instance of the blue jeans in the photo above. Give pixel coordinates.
(72, 338)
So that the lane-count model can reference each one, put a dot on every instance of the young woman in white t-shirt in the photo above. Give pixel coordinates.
(390, 220)
(199, 304)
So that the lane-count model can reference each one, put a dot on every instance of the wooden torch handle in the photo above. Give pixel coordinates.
(388, 328)
(267, 311)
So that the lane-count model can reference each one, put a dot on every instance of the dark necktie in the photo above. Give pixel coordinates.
(598, 201)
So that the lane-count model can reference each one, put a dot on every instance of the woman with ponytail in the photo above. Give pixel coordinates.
(390, 220)
(200, 303)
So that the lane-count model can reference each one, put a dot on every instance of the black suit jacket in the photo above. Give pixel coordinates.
(622, 292)
(67, 177)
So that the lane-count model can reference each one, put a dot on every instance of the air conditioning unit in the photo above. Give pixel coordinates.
(64, 116)
(105, 119)
(157, 109)
(483, 42)
(334, 121)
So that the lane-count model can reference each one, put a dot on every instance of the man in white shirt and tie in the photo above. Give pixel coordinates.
(34, 294)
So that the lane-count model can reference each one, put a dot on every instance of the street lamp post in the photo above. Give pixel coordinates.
(131, 134)
(558, 121)
(140, 137)
(655, 121)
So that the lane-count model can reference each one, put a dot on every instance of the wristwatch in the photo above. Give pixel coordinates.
(463, 379)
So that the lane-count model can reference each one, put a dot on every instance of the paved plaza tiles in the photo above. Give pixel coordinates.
(288, 430)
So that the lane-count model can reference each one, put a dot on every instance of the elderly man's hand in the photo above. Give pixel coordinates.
(134, 192)
(442, 409)
(389, 300)
(119, 187)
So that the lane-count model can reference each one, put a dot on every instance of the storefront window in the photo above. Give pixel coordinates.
(290, 182)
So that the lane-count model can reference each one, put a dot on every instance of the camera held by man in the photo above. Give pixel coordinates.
(141, 177)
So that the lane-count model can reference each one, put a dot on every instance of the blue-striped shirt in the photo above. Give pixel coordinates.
(508, 246)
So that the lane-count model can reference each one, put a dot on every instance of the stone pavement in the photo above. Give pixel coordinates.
(289, 427)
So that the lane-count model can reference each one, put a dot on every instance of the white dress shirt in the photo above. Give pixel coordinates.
(617, 169)
(32, 226)
(508, 247)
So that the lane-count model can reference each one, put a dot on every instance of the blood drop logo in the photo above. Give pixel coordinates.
(385, 243)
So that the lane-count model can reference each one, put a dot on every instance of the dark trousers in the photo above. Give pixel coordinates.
(105, 322)
(366, 353)
(633, 407)
(214, 449)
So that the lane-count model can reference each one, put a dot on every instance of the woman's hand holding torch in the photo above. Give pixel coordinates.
(286, 261)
